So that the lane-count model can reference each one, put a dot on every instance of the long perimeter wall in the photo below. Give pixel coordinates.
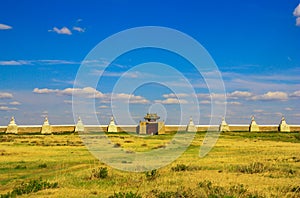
(56, 129)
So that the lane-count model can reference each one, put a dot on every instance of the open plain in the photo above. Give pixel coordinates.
(239, 165)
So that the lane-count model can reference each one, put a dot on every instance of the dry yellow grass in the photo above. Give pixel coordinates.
(70, 164)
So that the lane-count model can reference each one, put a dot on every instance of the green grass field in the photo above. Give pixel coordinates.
(239, 165)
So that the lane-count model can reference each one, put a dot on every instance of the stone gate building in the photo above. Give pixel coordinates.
(151, 126)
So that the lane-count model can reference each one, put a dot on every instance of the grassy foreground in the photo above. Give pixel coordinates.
(239, 165)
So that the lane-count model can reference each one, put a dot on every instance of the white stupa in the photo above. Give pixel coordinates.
(112, 126)
(79, 126)
(283, 126)
(253, 125)
(46, 127)
(223, 126)
(12, 126)
(191, 126)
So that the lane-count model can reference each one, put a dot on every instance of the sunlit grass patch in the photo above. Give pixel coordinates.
(238, 165)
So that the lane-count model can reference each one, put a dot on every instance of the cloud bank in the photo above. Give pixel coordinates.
(89, 92)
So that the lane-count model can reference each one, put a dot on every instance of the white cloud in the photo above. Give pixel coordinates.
(54, 62)
(15, 62)
(119, 74)
(212, 96)
(102, 62)
(204, 102)
(37, 62)
(234, 103)
(239, 94)
(297, 14)
(288, 109)
(277, 95)
(297, 11)
(230, 102)
(86, 92)
(133, 99)
(270, 95)
(103, 107)
(218, 96)
(96, 64)
(75, 102)
(78, 29)
(220, 99)
(134, 74)
(174, 95)
(139, 101)
(89, 92)
(295, 94)
(5, 27)
(63, 30)
(5, 95)
(5, 108)
(127, 74)
(287, 80)
(44, 91)
(15, 103)
(298, 21)
(171, 101)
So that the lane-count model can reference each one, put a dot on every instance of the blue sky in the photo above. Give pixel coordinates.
(255, 44)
